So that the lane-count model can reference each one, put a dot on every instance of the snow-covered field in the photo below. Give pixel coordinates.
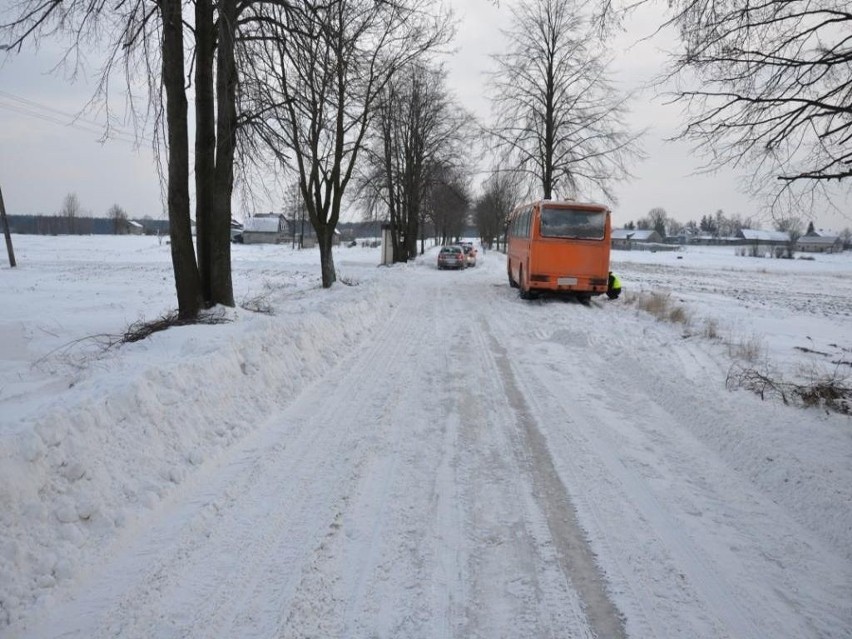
(419, 453)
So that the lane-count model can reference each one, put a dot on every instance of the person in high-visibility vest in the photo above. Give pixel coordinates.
(613, 289)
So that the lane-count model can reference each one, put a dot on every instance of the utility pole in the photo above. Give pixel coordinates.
(6, 47)
(8, 235)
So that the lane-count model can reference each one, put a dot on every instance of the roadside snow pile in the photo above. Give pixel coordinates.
(136, 420)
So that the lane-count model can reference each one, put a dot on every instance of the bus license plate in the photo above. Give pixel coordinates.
(566, 281)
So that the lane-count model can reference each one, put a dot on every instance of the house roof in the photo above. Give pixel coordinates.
(637, 235)
(822, 233)
(765, 236)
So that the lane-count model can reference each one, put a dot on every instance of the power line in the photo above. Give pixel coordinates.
(31, 108)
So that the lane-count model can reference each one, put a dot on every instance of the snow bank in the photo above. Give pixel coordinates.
(134, 421)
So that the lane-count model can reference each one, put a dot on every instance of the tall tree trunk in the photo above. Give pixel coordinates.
(6, 233)
(205, 139)
(187, 281)
(412, 204)
(393, 204)
(325, 236)
(396, 234)
(221, 286)
(549, 134)
(411, 233)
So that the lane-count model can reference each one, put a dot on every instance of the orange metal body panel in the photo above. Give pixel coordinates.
(559, 264)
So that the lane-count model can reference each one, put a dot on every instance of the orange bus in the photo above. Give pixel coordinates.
(559, 246)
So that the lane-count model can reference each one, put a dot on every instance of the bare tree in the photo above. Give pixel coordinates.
(70, 211)
(119, 219)
(447, 204)
(673, 227)
(793, 226)
(501, 194)
(418, 133)
(658, 219)
(187, 276)
(768, 88)
(319, 69)
(557, 113)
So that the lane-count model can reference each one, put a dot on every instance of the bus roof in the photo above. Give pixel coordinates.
(574, 204)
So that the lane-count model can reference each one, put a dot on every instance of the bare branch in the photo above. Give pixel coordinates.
(557, 114)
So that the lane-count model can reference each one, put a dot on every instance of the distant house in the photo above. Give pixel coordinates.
(135, 228)
(816, 242)
(760, 243)
(265, 229)
(759, 237)
(630, 238)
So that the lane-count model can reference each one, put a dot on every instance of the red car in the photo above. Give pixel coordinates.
(451, 257)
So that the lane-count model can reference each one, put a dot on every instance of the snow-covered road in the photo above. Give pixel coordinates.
(469, 464)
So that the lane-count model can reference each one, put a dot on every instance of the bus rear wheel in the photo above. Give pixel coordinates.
(512, 282)
(526, 294)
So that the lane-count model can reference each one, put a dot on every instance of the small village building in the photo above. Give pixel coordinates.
(265, 229)
(627, 239)
(816, 243)
(763, 243)
(135, 228)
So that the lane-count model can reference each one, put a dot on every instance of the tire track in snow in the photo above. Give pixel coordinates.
(703, 579)
(575, 555)
(389, 565)
(353, 572)
(515, 561)
(583, 407)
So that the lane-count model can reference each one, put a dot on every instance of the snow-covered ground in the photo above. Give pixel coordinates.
(419, 453)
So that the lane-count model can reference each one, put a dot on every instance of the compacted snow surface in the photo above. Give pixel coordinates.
(419, 453)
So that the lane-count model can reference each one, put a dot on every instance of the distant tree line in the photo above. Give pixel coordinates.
(83, 225)
(86, 225)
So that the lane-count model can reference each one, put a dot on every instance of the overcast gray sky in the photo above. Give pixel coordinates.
(45, 155)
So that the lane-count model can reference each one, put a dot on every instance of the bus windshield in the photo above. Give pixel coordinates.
(586, 225)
